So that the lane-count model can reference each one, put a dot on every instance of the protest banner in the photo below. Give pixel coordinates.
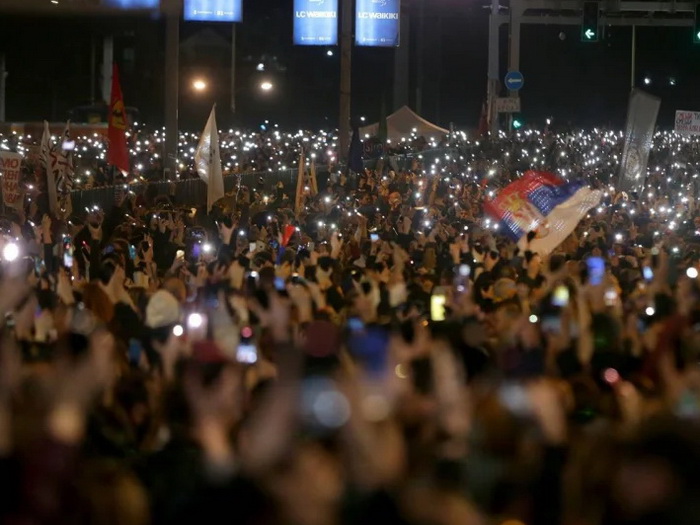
(10, 168)
(687, 122)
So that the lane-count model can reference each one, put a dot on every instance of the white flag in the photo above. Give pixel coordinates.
(46, 161)
(207, 159)
(64, 156)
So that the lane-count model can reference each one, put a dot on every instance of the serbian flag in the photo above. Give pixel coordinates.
(117, 154)
(544, 203)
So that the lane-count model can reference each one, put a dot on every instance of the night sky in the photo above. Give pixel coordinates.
(48, 60)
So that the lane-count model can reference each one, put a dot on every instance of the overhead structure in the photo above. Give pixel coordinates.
(403, 123)
(582, 13)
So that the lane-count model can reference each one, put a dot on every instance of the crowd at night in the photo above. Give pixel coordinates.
(374, 344)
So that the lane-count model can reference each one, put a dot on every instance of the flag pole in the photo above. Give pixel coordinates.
(345, 78)
(172, 66)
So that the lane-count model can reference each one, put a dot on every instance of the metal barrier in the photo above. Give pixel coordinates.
(194, 190)
(185, 191)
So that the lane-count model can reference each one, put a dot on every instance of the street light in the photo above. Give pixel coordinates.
(647, 81)
(199, 85)
(266, 85)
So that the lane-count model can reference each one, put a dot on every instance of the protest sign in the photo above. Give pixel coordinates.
(687, 122)
(10, 168)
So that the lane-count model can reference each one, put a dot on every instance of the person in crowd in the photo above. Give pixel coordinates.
(375, 351)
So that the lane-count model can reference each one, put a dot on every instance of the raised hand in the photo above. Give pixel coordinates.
(226, 233)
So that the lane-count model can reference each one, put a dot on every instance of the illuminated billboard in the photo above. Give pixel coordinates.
(214, 10)
(377, 23)
(132, 4)
(316, 22)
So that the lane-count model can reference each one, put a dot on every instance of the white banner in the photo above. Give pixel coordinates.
(508, 104)
(10, 168)
(207, 159)
(639, 133)
(687, 122)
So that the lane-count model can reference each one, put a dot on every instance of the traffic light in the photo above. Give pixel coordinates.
(517, 121)
(696, 25)
(589, 26)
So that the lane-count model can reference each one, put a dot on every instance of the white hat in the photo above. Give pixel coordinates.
(162, 310)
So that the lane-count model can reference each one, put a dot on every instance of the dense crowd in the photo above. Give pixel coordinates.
(264, 151)
(378, 351)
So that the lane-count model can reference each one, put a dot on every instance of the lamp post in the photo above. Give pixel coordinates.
(345, 78)
(172, 78)
(199, 85)
(492, 84)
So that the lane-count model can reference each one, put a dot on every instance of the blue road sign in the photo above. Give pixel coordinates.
(514, 80)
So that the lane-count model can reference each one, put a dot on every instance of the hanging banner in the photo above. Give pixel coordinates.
(214, 10)
(10, 168)
(687, 122)
(639, 134)
(315, 22)
(132, 4)
(377, 23)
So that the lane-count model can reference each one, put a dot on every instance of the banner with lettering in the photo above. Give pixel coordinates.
(377, 23)
(10, 167)
(132, 4)
(315, 22)
(687, 122)
(214, 10)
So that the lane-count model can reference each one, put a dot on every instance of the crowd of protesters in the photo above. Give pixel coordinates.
(264, 151)
(374, 351)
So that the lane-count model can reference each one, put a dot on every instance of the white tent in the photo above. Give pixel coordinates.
(402, 123)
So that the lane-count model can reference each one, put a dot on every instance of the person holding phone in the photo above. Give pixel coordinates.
(532, 276)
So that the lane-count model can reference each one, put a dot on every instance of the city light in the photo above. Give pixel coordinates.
(266, 85)
(671, 81)
(260, 67)
(329, 53)
(199, 85)
(647, 81)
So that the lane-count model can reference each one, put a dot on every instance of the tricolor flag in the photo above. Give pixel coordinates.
(544, 203)
(117, 153)
(207, 159)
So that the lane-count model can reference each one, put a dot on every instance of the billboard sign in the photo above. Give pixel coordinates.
(315, 22)
(377, 23)
(214, 10)
(132, 4)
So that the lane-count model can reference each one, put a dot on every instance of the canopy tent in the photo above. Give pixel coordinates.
(402, 123)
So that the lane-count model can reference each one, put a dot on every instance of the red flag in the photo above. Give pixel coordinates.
(288, 232)
(117, 154)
